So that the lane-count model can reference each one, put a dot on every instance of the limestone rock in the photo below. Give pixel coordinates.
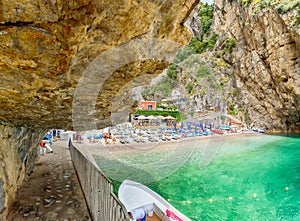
(17, 154)
(266, 61)
(46, 47)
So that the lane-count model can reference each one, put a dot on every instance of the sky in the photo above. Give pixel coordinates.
(207, 1)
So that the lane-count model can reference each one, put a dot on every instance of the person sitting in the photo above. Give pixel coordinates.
(45, 146)
(43, 149)
(138, 214)
(48, 136)
(114, 140)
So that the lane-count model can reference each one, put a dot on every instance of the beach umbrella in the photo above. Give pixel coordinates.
(189, 124)
(169, 118)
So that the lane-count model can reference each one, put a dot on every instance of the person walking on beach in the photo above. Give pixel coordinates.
(138, 214)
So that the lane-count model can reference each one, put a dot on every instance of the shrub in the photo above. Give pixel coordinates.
(233, 112)
(200, 45)
(286, 6)
(189, 87)
(172, 72)
(177, 114)
(212, 41)
(206, 12)
(164, 88)
(221, 63)
(203, 71)
(230, 44)
(264, 4)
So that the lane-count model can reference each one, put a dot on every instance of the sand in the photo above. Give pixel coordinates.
(101, 148)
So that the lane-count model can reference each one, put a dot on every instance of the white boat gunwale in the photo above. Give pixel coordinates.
(135, 195)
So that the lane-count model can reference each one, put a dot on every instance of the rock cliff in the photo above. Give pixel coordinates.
(265, 60)
(47, 45)
(45, 49)
(260, 42)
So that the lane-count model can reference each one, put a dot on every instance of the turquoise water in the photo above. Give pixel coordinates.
(252, 178)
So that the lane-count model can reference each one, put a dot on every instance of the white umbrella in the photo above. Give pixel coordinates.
(169, 118)
(151, 117)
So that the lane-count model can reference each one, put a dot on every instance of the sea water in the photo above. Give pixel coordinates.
(250, 178)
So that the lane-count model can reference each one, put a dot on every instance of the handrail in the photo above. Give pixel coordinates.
(97, 188)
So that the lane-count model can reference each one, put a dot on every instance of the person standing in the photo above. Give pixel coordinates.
(78, 136)
(54, 132)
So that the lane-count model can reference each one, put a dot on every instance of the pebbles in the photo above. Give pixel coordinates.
(49, 202)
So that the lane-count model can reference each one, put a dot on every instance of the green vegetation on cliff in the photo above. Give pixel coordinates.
(282, 6)
(206, 13)
(175, 113)
(161, 90)
(198, 45)
(198, 77)
(206, 40)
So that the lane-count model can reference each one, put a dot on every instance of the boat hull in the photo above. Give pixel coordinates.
(135, 195)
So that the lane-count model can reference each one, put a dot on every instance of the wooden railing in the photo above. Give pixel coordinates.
(97, 188)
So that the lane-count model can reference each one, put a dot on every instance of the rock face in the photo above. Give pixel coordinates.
(266, 60)
(17, 153)
(45, 49)
(261, 44)
(47, 45)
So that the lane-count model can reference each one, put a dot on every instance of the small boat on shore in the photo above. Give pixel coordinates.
(134, 195)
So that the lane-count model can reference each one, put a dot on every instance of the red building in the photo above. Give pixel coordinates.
(147, 105)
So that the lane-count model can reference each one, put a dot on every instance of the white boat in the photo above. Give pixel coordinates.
(135, 195)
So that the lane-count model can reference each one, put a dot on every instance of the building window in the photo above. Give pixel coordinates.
(149, 106)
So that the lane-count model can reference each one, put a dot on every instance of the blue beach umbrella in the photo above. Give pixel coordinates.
(189, 124)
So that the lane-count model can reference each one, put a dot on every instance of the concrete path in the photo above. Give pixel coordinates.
(52, 192)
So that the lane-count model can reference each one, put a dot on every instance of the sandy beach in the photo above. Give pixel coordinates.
(118, 148)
